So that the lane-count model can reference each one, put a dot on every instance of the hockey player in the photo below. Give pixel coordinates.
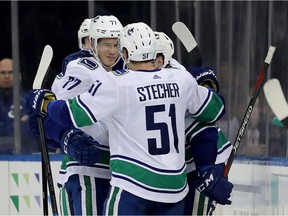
(146, 109)
(200, 137)
(87, 185)
(83, 188)
(7, 144)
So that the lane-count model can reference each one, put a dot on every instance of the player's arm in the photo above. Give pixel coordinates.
(209, 179)
(204, 104)
(207, 78)
(82, 110)
(74, 142)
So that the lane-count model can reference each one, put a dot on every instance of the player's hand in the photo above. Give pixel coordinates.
(212, 184)
(80, 146)
(205, 76)
(34, 101)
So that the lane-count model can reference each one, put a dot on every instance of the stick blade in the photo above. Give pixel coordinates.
(276, 99)
(184, 35)
(45, 61)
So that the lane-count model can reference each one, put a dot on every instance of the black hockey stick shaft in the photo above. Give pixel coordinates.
(44, 181)
(246, 118)
(45, 160)
(46, 172)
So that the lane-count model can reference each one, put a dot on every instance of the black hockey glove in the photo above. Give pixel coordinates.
(213, 185)
(80, 146)
(34, 101)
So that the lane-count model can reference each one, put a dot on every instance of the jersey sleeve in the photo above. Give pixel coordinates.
(204, 104)
(99, 101)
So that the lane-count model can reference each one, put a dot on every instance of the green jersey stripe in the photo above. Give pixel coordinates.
(212, 110)
(156, 179)
(79, 115)
(112, 201)
(88, 195)
(222, 140)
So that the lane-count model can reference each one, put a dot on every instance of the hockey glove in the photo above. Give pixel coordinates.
(205, 75)
(80, 146)
(213, 185)
(34, 101)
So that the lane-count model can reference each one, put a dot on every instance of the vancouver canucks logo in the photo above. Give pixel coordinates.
(96, 18)
(60, 75)
(130, 31)
(120, 72)
(89, 63)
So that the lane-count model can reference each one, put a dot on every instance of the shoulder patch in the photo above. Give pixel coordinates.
(60, 75)
(174, 67)
(89, 63)
(120, 72)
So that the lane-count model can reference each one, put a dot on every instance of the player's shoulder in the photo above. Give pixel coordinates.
(78, 54)
(84, 64)
(74, 57)
(179, 72)
(175, 64)
(89, 62)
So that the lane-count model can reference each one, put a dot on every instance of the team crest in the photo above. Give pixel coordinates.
(120, 72)
(60, 75)
(89, 63)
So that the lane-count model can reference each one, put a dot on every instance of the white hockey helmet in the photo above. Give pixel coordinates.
(165, 46)
(139, 40)
(83, 32)
(104, 27)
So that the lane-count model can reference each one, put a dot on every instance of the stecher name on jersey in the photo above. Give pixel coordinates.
(158, 91)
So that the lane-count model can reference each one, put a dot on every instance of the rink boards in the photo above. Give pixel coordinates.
(260, 186)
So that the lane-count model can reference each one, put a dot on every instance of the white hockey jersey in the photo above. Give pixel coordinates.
(193, 127)
(146, 111)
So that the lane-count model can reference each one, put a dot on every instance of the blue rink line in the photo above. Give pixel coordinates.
(34, 157)
(272, 161)
(264, 161)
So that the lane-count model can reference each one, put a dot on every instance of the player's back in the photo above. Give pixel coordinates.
(146, 111)
(152, 104)
(147, 132)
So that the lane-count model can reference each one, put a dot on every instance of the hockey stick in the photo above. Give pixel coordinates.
(45, 160)
(246, 117)
(276, 100)
(184, 35)
(189, 42)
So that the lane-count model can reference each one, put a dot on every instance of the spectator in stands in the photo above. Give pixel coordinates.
(28, 141)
